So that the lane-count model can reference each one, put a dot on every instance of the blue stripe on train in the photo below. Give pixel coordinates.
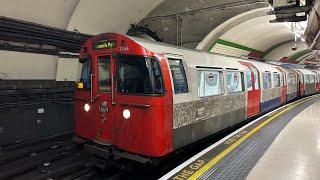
(270, 104)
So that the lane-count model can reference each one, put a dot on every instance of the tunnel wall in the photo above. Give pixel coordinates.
(32, 83)
(34, 109)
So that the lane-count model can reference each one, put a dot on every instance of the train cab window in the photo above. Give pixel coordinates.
(138, 75)
(249, 80)
(85, 77)
(266, 80)
(209, 83)
(178, 76)
(234, 81)
(276, 80)
(104, 75)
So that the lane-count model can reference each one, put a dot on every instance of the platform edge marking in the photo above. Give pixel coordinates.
(217, 158)
(206, 150)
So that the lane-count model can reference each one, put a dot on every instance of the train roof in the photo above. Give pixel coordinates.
(306, 71)
(192, 57)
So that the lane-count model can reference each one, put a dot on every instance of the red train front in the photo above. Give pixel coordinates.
(123, 98)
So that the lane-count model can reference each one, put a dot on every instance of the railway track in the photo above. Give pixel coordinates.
(62, 158)
(46, 159)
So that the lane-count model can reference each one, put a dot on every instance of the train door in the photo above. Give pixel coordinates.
(283, 86)
(317, 81)
(301, 83)
(105, 72)
(253, 87)
(250, 82)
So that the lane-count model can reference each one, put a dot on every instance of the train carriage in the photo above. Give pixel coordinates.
(309, 85)
(271, 86)
(138, 97)
(317, 78)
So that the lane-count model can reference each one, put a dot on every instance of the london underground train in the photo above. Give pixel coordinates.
(139, 98)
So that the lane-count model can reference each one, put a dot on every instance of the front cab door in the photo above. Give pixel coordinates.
(103, 105)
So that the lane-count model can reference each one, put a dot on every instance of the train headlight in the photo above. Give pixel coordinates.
(126, 113)
(86, 107)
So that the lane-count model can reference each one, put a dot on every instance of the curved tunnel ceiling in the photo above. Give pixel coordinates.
(98, 16)
(258, 33)
(251, 34)
(54, 13)
(87, 16)
(94, 17)
(187, 22)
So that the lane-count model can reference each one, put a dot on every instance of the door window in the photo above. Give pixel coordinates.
(307, 78)
(249, 80)
(266, 80)
(276, 80)
(104, 76)
(311, 78)
(209, 83)
(256, 78)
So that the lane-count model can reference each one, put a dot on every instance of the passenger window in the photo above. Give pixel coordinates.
(209, 83)
(178, 76)
(234, 81)
(249, 80)
(266, 80)
(104, 74)
(276, 80)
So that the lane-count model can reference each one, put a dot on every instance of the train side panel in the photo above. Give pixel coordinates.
(206, 115)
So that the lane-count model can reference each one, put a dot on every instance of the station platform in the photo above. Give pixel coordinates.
(282, 144)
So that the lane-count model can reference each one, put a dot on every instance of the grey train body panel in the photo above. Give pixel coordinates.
(217, 113)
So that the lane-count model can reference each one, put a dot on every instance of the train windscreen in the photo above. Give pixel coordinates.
(139, 75)
(86, 73)
(104, 74)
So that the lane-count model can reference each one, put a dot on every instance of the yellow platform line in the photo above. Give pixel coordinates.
(217, 158)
